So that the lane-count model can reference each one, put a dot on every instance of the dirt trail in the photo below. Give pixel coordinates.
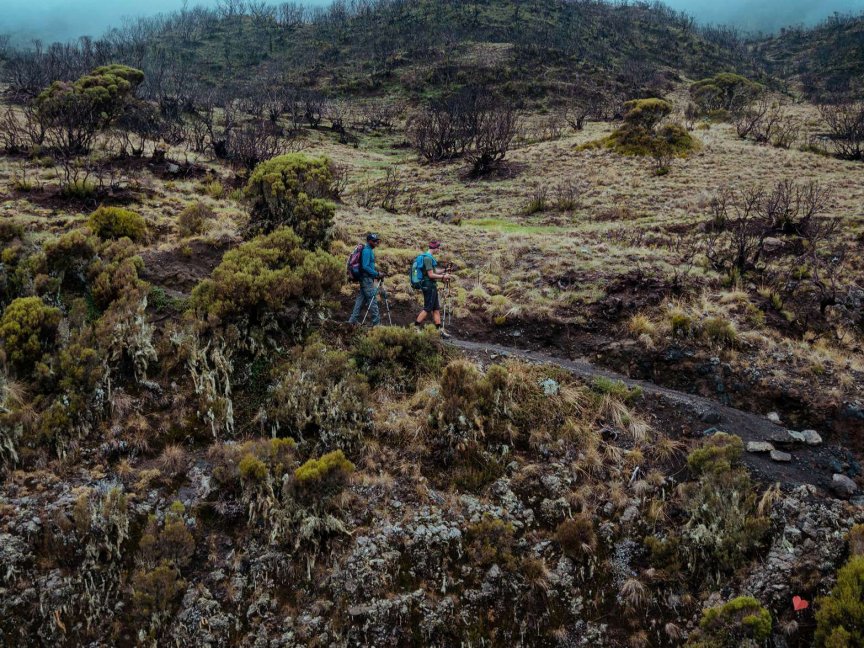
(809, 465)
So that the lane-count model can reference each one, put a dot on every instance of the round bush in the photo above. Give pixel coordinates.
(28, 329)
(296, 191)
(271, 273)
(115, 223)
(840, 616)
(743, 621)
(194, 218)
(646, 113)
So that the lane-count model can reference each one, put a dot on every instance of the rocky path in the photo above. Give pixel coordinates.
(804, 463)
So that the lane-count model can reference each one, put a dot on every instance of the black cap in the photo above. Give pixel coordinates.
(372, 237)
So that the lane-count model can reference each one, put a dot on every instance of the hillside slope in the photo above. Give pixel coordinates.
(415, 48)
(826, 60)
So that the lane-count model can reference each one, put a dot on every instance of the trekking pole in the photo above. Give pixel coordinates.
(372, 301)
(446, 299)
(387, 304)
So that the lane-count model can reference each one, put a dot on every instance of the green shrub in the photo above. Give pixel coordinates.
(506, 405)
(10, 230)
(490, 542)
(646, 113)
(79, 190)
(396, 356)
(253, 461)
(28, 329)
(101, 271)
(320, 394)
(269, 274)
(171, 542)
(723, 93)
(115, 223)
(615, 388)
(114, 274)
(194, 218)
(681, 323)
(639, 135)
(855, 538)
(155, 591)
(719, 453)
(742, 622)
(840, 615)
(670, 141)
(665, 556)
(724, 527)
(251, 468)
(326, 474)
(296, 191)
(719, 331)
(80, 109)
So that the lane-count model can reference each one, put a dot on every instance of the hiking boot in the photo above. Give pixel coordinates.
(444, 334)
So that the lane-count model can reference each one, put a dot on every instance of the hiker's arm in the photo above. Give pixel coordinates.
(366, 262)
(438, 275)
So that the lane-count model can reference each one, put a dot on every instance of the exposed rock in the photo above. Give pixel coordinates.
(812, 437)
(813, 539)
(712, 417)
(778, 455)
(843, 486)
(854, 410)
(759, 446)
(772, 244)
(774, 417)
(797, 437)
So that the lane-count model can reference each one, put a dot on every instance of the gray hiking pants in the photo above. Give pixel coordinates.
(366, 296)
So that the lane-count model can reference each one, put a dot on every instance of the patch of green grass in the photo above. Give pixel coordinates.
(509, 227)
(615, 388)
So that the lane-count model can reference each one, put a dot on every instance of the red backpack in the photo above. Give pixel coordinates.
(354, 261)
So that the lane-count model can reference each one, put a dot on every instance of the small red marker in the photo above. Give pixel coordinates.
(799, 603)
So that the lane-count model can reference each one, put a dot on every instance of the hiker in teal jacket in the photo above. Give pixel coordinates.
(367, 297)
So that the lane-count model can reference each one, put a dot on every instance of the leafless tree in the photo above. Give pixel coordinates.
(581, 102)
(290, 15)
(741, 221)
(253, 142)
(493, 128)
(138, 124)
(762, 120)
(845, 123)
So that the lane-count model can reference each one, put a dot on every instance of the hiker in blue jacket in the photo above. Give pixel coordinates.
(429, 286)
(367, 298)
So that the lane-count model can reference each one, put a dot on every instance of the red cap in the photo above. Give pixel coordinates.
(434, 245)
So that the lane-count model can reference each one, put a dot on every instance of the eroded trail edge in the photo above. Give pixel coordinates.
(809, 464)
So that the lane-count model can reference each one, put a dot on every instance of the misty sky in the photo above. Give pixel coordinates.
(68, 19)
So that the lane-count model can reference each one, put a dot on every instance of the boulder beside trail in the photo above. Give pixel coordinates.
(843, 487)
(759, 446)
(778, 455)
(810, 437)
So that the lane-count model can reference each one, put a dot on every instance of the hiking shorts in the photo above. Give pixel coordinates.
(430, 298)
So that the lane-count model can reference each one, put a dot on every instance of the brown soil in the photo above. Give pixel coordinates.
(180, 271)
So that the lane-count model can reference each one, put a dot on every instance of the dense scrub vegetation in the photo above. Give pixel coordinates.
(193, 452)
